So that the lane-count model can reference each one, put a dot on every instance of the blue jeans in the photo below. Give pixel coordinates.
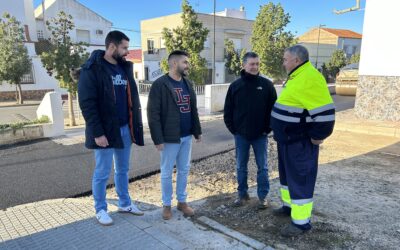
(179, 153)
(104, 158)
(242, 158)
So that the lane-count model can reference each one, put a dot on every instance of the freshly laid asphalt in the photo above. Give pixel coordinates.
(44, 170)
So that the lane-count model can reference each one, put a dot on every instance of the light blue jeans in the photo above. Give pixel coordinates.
(104, 159)
(179, 153)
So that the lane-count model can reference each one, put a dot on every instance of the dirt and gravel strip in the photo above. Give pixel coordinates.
(356, 197)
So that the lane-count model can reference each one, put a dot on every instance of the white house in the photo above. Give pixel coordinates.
(322, 42)
(89, 27)
(37, 80)
(231, 24)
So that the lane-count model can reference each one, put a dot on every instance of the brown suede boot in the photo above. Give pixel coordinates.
(186, 210)
(167, 213)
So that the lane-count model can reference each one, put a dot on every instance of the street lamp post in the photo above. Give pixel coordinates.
(319, 33)
(213, 70)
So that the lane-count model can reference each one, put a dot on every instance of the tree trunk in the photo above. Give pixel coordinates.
(71, 113)
(19, 93)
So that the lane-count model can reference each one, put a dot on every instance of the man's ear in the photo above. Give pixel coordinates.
(112, 47)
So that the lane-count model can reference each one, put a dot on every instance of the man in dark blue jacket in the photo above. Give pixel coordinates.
(109, 100)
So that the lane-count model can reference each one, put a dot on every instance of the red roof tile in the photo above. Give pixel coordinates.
(343, 33)
(135, 56)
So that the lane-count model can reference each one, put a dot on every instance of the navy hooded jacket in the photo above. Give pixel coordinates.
(98, 104)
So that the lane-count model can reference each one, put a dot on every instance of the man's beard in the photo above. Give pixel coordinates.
(182, 72)
(118, 57)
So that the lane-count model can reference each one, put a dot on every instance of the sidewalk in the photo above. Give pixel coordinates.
(70, 224)
(14, 104)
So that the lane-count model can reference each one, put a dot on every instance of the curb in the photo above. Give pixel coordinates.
(368, 129)
(233, 234)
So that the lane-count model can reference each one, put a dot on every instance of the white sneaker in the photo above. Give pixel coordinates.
(130, 209)
(103, 218)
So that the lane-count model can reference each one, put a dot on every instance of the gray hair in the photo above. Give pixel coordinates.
(249, 55)
(299, 51)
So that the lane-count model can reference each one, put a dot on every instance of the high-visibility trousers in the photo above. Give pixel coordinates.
(298, 166)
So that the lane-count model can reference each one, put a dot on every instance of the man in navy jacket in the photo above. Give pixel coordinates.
(109, 100)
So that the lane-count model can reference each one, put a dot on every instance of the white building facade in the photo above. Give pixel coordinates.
(89, 27)
(230, 24)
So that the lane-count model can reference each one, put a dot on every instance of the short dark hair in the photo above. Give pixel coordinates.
(299, 51)
(249, 55)
(177, 53)
(115, 37)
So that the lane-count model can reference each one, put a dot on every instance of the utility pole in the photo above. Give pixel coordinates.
(319, 33)
(44, 21)
(213, 70)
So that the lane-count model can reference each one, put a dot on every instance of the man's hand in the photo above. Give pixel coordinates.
(101, 141)
(316, 142)
(198, 139)
(160, 147)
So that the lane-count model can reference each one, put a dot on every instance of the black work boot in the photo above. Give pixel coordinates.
(282, 211)
(292, 231)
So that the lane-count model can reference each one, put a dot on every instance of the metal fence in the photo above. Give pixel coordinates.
(144, 88)
(199, 89)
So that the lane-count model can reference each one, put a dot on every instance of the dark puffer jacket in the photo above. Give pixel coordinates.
(97, 102)
(248, 105)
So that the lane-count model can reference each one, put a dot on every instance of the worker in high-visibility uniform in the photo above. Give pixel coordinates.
(302, 117)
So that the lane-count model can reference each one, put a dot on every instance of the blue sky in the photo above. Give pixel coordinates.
(305, 14)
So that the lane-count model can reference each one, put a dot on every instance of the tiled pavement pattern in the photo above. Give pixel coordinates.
(70, 224)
